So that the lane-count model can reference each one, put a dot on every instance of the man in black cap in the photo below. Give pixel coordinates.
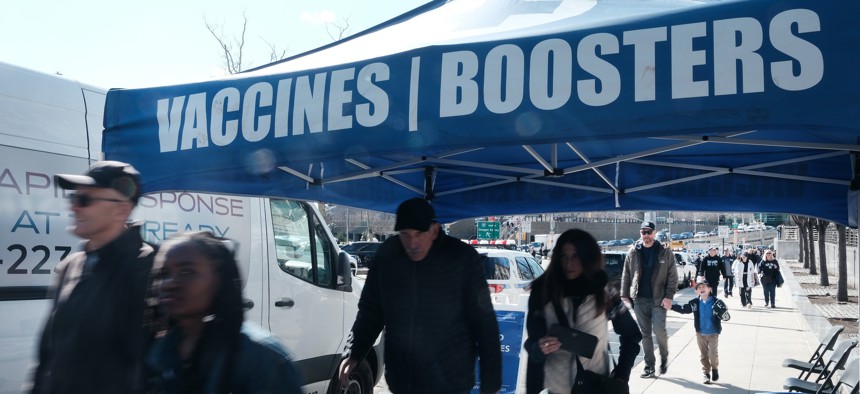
(428, 291)
(649, 281)
(94, 338)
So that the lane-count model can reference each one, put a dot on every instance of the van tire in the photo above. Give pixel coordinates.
(360, 381)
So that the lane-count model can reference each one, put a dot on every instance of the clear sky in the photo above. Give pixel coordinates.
(125, 44)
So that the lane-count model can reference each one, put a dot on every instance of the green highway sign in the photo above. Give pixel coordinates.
(488, 230)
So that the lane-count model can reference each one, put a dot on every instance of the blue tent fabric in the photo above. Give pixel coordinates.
(492, 108)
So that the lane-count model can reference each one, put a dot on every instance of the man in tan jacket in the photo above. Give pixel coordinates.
(649, 282)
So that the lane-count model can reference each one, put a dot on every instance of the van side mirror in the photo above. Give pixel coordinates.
(344, 272)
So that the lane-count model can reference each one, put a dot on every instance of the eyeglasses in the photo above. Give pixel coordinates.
(646, 232)
(85, 200)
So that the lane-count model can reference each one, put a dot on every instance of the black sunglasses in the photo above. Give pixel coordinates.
(646, 231)
(85, 200)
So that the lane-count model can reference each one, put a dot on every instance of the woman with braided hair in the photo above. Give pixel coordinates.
(208, 347)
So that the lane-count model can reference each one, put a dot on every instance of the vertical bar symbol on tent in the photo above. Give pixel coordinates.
(413, 94)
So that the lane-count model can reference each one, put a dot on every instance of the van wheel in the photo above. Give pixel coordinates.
(360, 381)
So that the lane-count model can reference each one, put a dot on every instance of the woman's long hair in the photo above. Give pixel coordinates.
(591, 258)
(222, 333)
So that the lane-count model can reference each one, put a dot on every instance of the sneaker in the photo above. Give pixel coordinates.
(664, 366)
(706, 379)
(715, 375)
(648, 373)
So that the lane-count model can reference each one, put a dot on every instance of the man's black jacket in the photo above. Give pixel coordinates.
(94, 340)
(437, 316)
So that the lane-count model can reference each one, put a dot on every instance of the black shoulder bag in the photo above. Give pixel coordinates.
(590, 382)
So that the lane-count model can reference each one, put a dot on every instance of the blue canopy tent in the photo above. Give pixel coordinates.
(502, 107)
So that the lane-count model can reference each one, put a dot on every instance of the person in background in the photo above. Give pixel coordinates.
(768, 268)
(728, 274)
(209, 348)
(709, 312)
(94, 339)
(710, 268)
(576, 285)
(649, 282)
(427, 290)
(744, 271)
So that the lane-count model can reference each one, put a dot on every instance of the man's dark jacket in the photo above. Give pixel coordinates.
(710, 267)
(94, 339)
(437, 316)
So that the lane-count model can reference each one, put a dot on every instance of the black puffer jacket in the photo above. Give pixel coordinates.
(94, 339)
(437, 317)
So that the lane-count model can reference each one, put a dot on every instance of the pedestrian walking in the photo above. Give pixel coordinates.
(94, 339)
(746, 277)
(649, 282)
(209, 347)
(710, 268)
(769, 271)
(728, 275)
(428, 292)
(574, 293)
(708, 314)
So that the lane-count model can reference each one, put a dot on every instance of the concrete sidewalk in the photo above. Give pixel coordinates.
(752, 345)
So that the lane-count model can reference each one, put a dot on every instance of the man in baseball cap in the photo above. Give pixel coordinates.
(392, 301)
(115, 175)
(649, 282)
(94, 338)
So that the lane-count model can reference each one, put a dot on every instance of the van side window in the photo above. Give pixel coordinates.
(292, 239)
(300, 252)
(324, 253)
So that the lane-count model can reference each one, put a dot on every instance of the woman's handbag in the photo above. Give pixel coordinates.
(779, 279)
(589, 382)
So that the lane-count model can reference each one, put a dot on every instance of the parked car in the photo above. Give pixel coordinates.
(509, 271)
(363, 252)
(686, 269)
(686, 235)
(700, 234)
(614, 266)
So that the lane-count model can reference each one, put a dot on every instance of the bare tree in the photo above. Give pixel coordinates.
(337, 31)
(803, 255)
(821, 225)
(842, 281)
(275, 54)
(232, 48)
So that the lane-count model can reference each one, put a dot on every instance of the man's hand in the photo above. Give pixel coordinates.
(346, 367)
(667, 304)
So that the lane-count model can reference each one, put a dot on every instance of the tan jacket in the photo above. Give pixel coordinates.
(664, 281)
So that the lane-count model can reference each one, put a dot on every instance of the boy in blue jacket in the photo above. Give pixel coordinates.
(708, 312)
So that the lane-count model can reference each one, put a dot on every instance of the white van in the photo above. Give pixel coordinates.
(298, 283)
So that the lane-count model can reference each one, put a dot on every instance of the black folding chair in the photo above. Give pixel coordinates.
(816, 362)
(849, 380)
(824, 382)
